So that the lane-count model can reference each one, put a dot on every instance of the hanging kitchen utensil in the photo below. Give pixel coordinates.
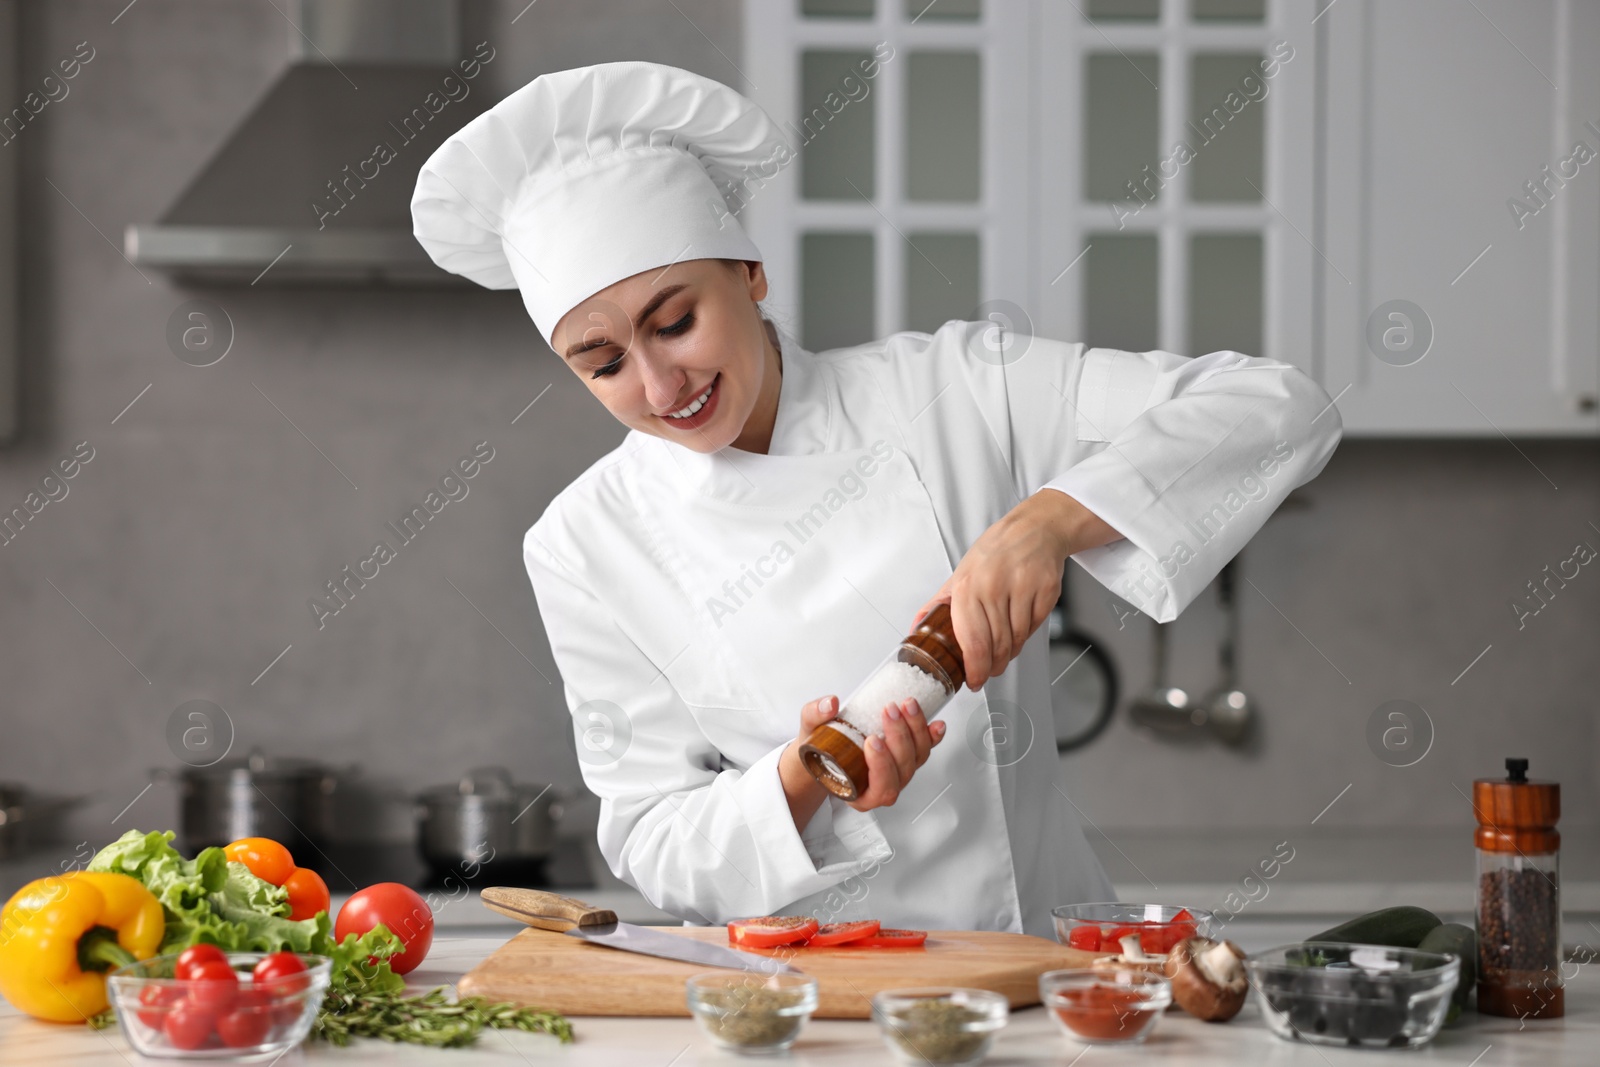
(1166, 709)
(1229, 711)
(1083, 691)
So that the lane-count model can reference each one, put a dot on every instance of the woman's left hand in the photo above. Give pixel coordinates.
(1010, 578)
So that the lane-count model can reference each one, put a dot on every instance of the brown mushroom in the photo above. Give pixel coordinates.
(1132, 956)
(1208, 978)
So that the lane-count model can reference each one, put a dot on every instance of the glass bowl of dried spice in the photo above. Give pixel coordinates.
(939, 1025)
(749, 1012)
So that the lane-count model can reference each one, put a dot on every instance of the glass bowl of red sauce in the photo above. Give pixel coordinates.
(1105, 1005)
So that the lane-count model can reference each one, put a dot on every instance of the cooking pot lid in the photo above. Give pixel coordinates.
(488, 783)
(257, 763)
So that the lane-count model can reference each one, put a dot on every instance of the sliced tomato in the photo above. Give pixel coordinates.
(1160, 938)
(769, 931)
(886, 938)
(1157, 940)
(1086, 938)
(842, 933)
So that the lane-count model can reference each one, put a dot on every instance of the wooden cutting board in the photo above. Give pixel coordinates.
(561, 973)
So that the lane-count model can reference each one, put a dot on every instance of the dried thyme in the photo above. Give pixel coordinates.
(751, 1016)
(938, 1031)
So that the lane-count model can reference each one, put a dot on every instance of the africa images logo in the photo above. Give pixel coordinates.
(851, 485)
(1138, 588)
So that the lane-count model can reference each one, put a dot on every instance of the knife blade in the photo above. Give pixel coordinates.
(599, 926)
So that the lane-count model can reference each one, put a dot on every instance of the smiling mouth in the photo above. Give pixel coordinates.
(695, 405)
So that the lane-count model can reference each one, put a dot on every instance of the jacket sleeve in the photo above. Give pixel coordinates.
(1185, 457)
(703, 840)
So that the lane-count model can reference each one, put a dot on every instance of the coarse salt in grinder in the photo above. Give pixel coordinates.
(926, 667)
(1519, 895)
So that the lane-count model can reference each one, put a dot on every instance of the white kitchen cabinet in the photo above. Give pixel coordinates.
(1441, 120)
(1331, 184)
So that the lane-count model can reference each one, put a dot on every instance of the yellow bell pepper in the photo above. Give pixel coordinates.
(56, 941)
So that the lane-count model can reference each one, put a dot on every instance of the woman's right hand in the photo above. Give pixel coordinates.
(891, 758)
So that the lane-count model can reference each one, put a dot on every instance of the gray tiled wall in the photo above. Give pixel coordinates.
(181, 561)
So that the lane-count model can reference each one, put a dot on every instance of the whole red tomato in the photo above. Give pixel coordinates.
(281, 975)
(190, 1025)
(195, 955)
(397, 907)
(213, 985)
(154, 1003)
(247, 1022)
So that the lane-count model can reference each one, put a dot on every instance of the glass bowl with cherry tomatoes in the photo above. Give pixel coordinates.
(203, 1003)
(1102, 927)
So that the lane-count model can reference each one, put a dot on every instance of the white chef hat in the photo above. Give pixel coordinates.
(587, 176)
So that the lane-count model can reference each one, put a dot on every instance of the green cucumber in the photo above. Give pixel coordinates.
(1401, 927)
(1461, 940)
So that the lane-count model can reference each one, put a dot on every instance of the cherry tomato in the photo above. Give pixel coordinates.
(770, 931)
(154, 1003)
(308, 893)
(397, 907)
(247, 1022)
(194, 956)
(266, 859)
(841, 933)
(886, 938)
(281, 975)
(189, 1025)
(213, 985)
(1086, 938)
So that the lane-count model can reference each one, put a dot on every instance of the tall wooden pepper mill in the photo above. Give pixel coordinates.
(1519, 895)
(927, 667)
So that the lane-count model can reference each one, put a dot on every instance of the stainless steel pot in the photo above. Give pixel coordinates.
(12, 824)
(484, 818)
(28, 819)
(288, 800)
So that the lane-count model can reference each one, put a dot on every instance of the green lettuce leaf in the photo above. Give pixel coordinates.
(243, 891)
(355, 974)
(183, 886)
(210, 899)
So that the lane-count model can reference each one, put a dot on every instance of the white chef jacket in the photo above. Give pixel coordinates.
(695, 602)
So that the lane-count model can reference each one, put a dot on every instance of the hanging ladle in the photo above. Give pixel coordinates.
(1229, 712)
(1164, 708)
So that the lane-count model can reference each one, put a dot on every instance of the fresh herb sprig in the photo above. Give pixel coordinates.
(429, 1019)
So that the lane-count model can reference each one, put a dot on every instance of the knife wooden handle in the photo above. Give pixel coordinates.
(544, 911)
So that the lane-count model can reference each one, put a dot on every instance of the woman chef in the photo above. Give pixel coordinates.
(777, 519)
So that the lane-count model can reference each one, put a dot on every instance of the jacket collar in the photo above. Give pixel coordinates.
(800, 431)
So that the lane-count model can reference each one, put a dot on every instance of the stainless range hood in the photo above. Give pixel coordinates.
(314, 185)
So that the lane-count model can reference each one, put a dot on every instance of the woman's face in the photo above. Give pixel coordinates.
(651, 346)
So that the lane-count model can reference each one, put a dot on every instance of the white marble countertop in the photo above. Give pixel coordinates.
(1028, 1038)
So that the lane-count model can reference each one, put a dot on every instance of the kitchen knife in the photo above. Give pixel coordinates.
(551, 911)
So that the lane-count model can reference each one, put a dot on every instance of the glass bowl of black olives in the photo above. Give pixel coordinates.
(1369, 996)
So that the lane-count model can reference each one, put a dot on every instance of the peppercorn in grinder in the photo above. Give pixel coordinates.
(1519, 895)
(927, 666)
